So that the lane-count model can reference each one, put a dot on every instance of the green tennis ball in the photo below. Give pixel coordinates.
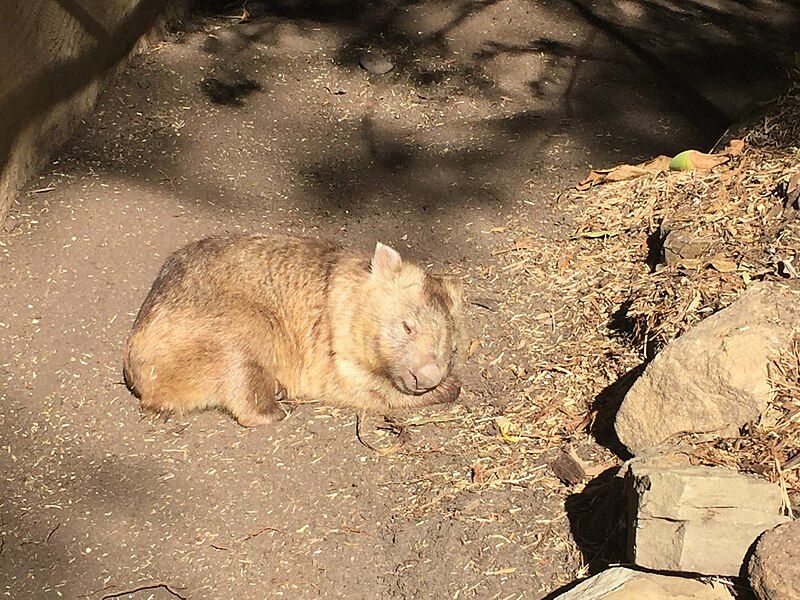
(682, 161)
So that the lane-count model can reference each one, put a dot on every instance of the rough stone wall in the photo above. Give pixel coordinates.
(54, 58)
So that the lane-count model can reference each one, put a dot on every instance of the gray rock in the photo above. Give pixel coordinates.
(620, 583)
(714, 378)
(681, 244)
(774, 568)
(696, 519)
(376, 62)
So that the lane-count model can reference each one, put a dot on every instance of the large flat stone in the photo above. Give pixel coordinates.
(696, 519)
(620, 583)
(715, 376)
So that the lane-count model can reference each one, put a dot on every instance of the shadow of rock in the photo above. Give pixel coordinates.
(597, 521)
(655, 248)
(562, 590)
(605, 408)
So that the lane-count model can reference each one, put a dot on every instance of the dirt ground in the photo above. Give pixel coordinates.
(491, 110)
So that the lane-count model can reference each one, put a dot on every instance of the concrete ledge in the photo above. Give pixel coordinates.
(55, 59)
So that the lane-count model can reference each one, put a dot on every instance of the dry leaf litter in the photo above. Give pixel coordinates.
(604, 304)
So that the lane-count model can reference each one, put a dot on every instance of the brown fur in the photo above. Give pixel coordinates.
(233, 322)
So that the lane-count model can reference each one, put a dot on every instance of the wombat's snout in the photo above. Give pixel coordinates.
(423, 377)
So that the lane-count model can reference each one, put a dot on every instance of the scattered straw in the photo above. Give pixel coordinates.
(580, 313)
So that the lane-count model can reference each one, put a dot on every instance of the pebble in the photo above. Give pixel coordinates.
(376, 62)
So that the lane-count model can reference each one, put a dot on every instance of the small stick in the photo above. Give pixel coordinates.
(153, 586)
(250, 536)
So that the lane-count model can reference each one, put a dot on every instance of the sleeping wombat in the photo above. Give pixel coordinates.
(234, 322)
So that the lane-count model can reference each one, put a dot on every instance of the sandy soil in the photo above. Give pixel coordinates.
(492, 108)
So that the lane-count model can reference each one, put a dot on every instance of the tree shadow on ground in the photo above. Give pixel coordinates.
(229, 89)
(42, 545)
(704, 61)
(620, 82)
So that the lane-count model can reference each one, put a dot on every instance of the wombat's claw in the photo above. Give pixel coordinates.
(264, 415)
(255, 420)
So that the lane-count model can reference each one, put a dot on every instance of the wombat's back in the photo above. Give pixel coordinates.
(216, 274)
(228, 306)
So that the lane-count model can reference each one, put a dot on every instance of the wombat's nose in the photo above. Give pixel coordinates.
(428, 376)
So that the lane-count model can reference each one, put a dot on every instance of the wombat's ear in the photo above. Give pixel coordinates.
(455, 290)
(385, 260)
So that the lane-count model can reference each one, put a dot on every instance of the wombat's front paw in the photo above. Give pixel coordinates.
(446, 392)
(449, 390)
